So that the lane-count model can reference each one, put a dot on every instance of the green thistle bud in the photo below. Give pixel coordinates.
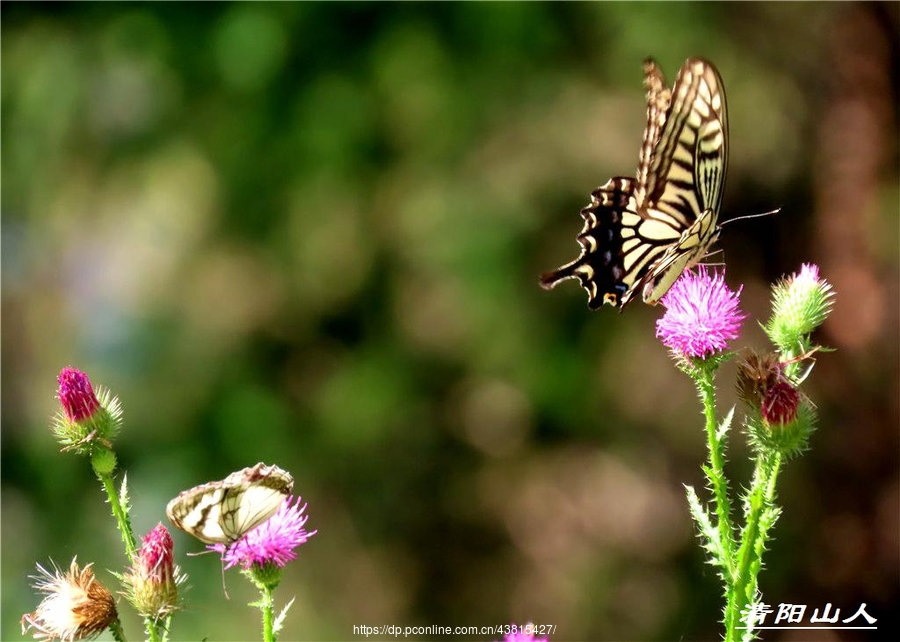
(800, 304)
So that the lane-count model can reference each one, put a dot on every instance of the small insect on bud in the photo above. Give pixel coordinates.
(756, 374)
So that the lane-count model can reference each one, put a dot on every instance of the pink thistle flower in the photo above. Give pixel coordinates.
(273, 542)
(702, 315)
(76, 394)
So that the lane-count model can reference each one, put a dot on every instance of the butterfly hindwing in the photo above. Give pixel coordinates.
(223, 511)
(600, 267)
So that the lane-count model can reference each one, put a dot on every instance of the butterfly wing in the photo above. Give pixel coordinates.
(640, 234)
(198, 511)
(686, 178)
(253, 499)
(223, 511)
(600, 267)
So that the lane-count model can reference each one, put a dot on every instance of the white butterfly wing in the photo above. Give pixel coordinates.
(245, 509)
(224, 511)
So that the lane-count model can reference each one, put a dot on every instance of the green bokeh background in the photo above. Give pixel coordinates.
(310, 234)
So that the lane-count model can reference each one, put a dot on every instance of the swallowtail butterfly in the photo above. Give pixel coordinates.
(641, 233)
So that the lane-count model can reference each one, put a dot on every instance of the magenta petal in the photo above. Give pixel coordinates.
(702, 315)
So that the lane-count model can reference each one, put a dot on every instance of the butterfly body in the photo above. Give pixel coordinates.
(641, 233)
(223, 511)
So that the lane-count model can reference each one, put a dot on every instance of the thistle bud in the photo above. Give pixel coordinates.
(782, 419)
(780, 404)
(86, 420)
(152, 582)
(800, 304)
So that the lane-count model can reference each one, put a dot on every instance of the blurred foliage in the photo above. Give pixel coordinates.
(309, 234)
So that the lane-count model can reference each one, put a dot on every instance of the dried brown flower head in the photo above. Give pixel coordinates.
(76, 605)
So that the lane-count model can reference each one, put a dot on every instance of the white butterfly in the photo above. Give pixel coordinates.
(222, 512)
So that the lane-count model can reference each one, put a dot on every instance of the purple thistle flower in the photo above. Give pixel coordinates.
(272, 542)
(155, 560)
(76, 394)
(702, 315)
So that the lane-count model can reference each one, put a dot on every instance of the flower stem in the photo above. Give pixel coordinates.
(166, 627)
(715, 471)
(117, 632)
(122, 520)
(265, 604)
(760, 502)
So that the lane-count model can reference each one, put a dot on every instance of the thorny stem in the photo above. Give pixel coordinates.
(743, 589)
(122, 520)
(266, 603)
(716, 472)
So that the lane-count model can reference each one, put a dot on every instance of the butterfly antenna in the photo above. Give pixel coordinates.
(749, 216)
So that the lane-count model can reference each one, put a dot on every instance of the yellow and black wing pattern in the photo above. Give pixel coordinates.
(641, 233)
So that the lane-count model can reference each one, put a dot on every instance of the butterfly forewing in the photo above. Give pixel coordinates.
(670, 217)
(224, 511)
(244, 510)
(659, 99)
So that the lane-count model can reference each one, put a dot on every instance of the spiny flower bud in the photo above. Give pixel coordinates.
(76, 607)
(152, 583)
(782, 419)
(86, 419)
(800, 304)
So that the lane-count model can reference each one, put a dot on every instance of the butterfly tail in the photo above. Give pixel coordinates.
(550, 280)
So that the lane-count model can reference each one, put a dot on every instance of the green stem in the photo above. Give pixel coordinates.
(122, 520)
(152, 630)
(705, 379)
(117, 632)
(753, 542)
(166, 625)
(266, 603)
